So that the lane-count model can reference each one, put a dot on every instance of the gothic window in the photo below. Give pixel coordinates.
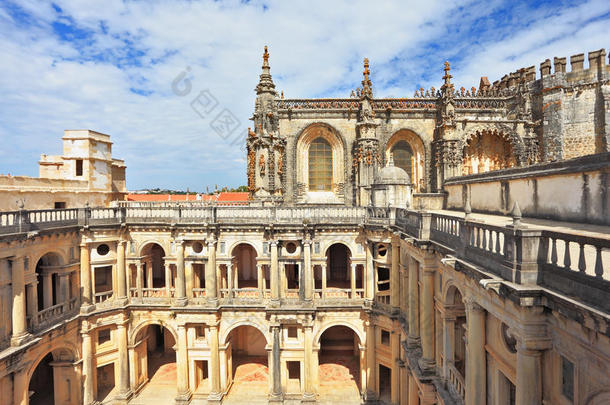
(320, 165)
(403, 157)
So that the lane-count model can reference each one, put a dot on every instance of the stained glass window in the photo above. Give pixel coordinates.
(320, 165)
(403, 156)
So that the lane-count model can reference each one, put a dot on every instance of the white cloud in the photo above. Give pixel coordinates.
(316, 50)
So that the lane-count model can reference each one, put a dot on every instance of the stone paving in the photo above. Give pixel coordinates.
(161, 388)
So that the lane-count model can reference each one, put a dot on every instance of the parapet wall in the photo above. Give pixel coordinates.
(575, 190)
(597, 66)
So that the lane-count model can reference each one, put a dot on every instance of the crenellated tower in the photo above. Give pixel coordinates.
(366, 148)
(266, 148)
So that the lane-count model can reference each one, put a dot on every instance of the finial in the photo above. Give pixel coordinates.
(516, 214)
(467, 209)
(367, 86)
(266, 56)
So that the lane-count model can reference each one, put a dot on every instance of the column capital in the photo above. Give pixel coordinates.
(121, 242)
(274, 242)
(307, 242)
(471, 304)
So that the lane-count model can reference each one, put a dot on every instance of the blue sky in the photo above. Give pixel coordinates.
(109, 66)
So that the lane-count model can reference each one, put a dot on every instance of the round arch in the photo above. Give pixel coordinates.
(449, 292)
(338, 242)
(149, 242)
(418, 148)
(337, 144)
(55, 349)
(62, 257)
(139, 327)
(223, 336)
(490, 149)
(243, 242)
(359, 333)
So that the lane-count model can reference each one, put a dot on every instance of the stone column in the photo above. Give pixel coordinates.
(371, 366)
(20, 387)
(168, 279)
(476, 362)
(64, 288)
(323, 280)
(211, 283)
(122, 292)
(184, 393)
(189, 275)
(309, 394)
(20, 333)
(32, 301)
(47, 290)
(352, 279)
(394, 273)
(275, 274)
(230, 279)
(413, 391)
(140, 280)
(529, 376)
(370, 272)
(395, 383)
(87, 371)
(123, 386)
(180, 275)
(215, 392)
(149, 274)
(85, 279)
(260, 278)
(426, 362)
(276, 381)
(413, 314)
(448, 341)
(307, 270)
(403, 383)
(404, 291)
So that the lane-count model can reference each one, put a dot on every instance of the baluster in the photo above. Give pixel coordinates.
(566, 256)
(582, 266)
(599, 268)
(554, 251)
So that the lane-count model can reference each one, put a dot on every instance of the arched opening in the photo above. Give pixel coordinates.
(339, 373)
(338, 264)
(456, 331)
(155, 364)
(247, 364)
(41, 390)
(408, 152)
(320, 165)
(403, 156)
(154, 269)
(47, 270)
(486, 151)
(244, 267)
(54, 380)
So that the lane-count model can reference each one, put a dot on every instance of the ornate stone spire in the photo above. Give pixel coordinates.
(265, 84)
(447, 86)
(367, 86)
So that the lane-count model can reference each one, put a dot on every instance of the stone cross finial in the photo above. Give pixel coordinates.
(367, 86)
(266, 57)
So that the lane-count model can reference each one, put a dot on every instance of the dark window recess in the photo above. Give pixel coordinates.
(60, 205)
(103, 336)
(292, 332)
(567, 378)
(385, 337)
(79, 167)
(291, 247)
(383, 279)
(294, 370)
(197, 247)
(103, 249)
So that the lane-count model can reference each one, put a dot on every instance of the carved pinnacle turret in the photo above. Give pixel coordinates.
(265, 84)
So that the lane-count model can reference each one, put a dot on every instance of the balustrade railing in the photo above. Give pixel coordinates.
(578, 253)
(102, 296)
(51, 315)
(198, 292)
(456, 380)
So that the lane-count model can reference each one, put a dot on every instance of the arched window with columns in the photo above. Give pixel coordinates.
(408, 151)
(320, 161)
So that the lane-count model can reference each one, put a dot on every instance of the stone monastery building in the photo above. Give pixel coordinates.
(448, 248)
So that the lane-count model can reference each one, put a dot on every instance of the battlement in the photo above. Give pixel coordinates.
(596, 68)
